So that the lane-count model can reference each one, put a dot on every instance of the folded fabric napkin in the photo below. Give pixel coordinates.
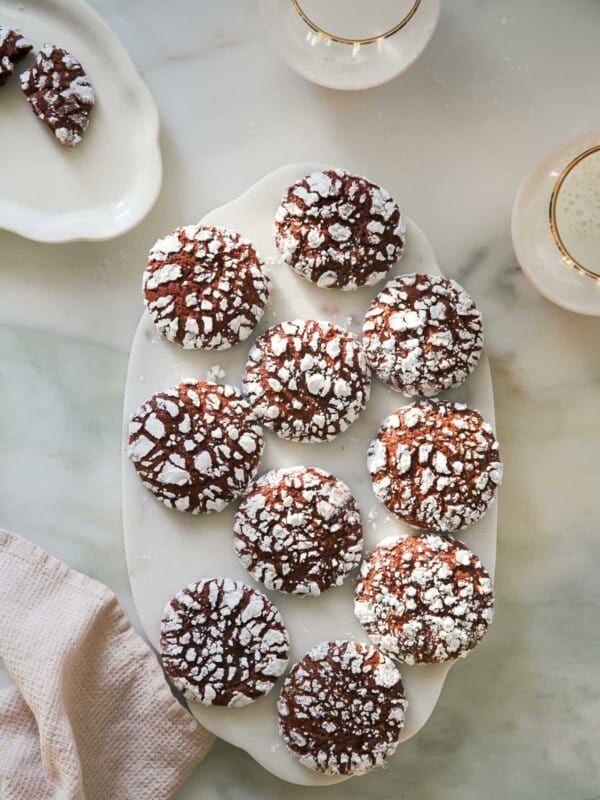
(91, 716)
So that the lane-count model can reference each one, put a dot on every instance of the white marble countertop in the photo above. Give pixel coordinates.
(499, 84)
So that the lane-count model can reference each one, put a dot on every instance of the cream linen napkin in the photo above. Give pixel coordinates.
(91, 717)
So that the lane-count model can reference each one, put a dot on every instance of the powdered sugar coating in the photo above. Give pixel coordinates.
(60, 93)
(196, 446)
(223, 643)
(298, 530)
(339, 230)
(13, 48)
(424, 598)
(423, 334)
(307, 380)
(342, 708)
(205, 287)
(436, 465)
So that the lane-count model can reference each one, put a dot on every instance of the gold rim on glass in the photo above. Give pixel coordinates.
(564, 251)
(354, 42)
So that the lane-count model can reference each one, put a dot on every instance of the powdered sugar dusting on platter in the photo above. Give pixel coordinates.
(166, 550)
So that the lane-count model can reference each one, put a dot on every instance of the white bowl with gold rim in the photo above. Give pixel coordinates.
(556, 225)
(350, 44)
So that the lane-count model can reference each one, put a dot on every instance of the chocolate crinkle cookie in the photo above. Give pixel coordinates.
(424, 598)
(342, 708)
(223, 643)
(298, 530)
(339, 230)
(13, 48)
(196, 446)
(205, 287)
(436, 465)
(423, 334)
(60, 93)
(307, 380)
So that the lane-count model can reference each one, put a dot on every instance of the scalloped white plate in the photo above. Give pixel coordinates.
(109, 182)
(167, 549)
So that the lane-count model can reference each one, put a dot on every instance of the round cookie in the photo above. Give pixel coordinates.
(205, 287)
(223, 643)
(342, 708)
(298, 530)
(339, 230)
(423, 334)
(424, 598)
(196, 446)
(436, 465)
(307, 380)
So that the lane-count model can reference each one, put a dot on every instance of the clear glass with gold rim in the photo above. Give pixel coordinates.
(556, 225)
(350, 44)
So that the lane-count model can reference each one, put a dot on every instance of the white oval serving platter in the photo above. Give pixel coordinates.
(168, 549)
(105, 185)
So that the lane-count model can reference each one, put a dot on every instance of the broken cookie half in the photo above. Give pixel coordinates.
(60, 93)
(13, 48)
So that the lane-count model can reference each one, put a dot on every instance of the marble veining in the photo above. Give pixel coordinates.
(496, 88)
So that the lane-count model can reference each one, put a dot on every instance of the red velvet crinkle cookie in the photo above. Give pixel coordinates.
(13, 48)
(423, 334)
(298, 530)
(196, 446)
(339, 230)
(60, 93)
(436, 465)
(308, 381)
(342, 708)
(223, 643)
(205, 287)
(424, 598)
